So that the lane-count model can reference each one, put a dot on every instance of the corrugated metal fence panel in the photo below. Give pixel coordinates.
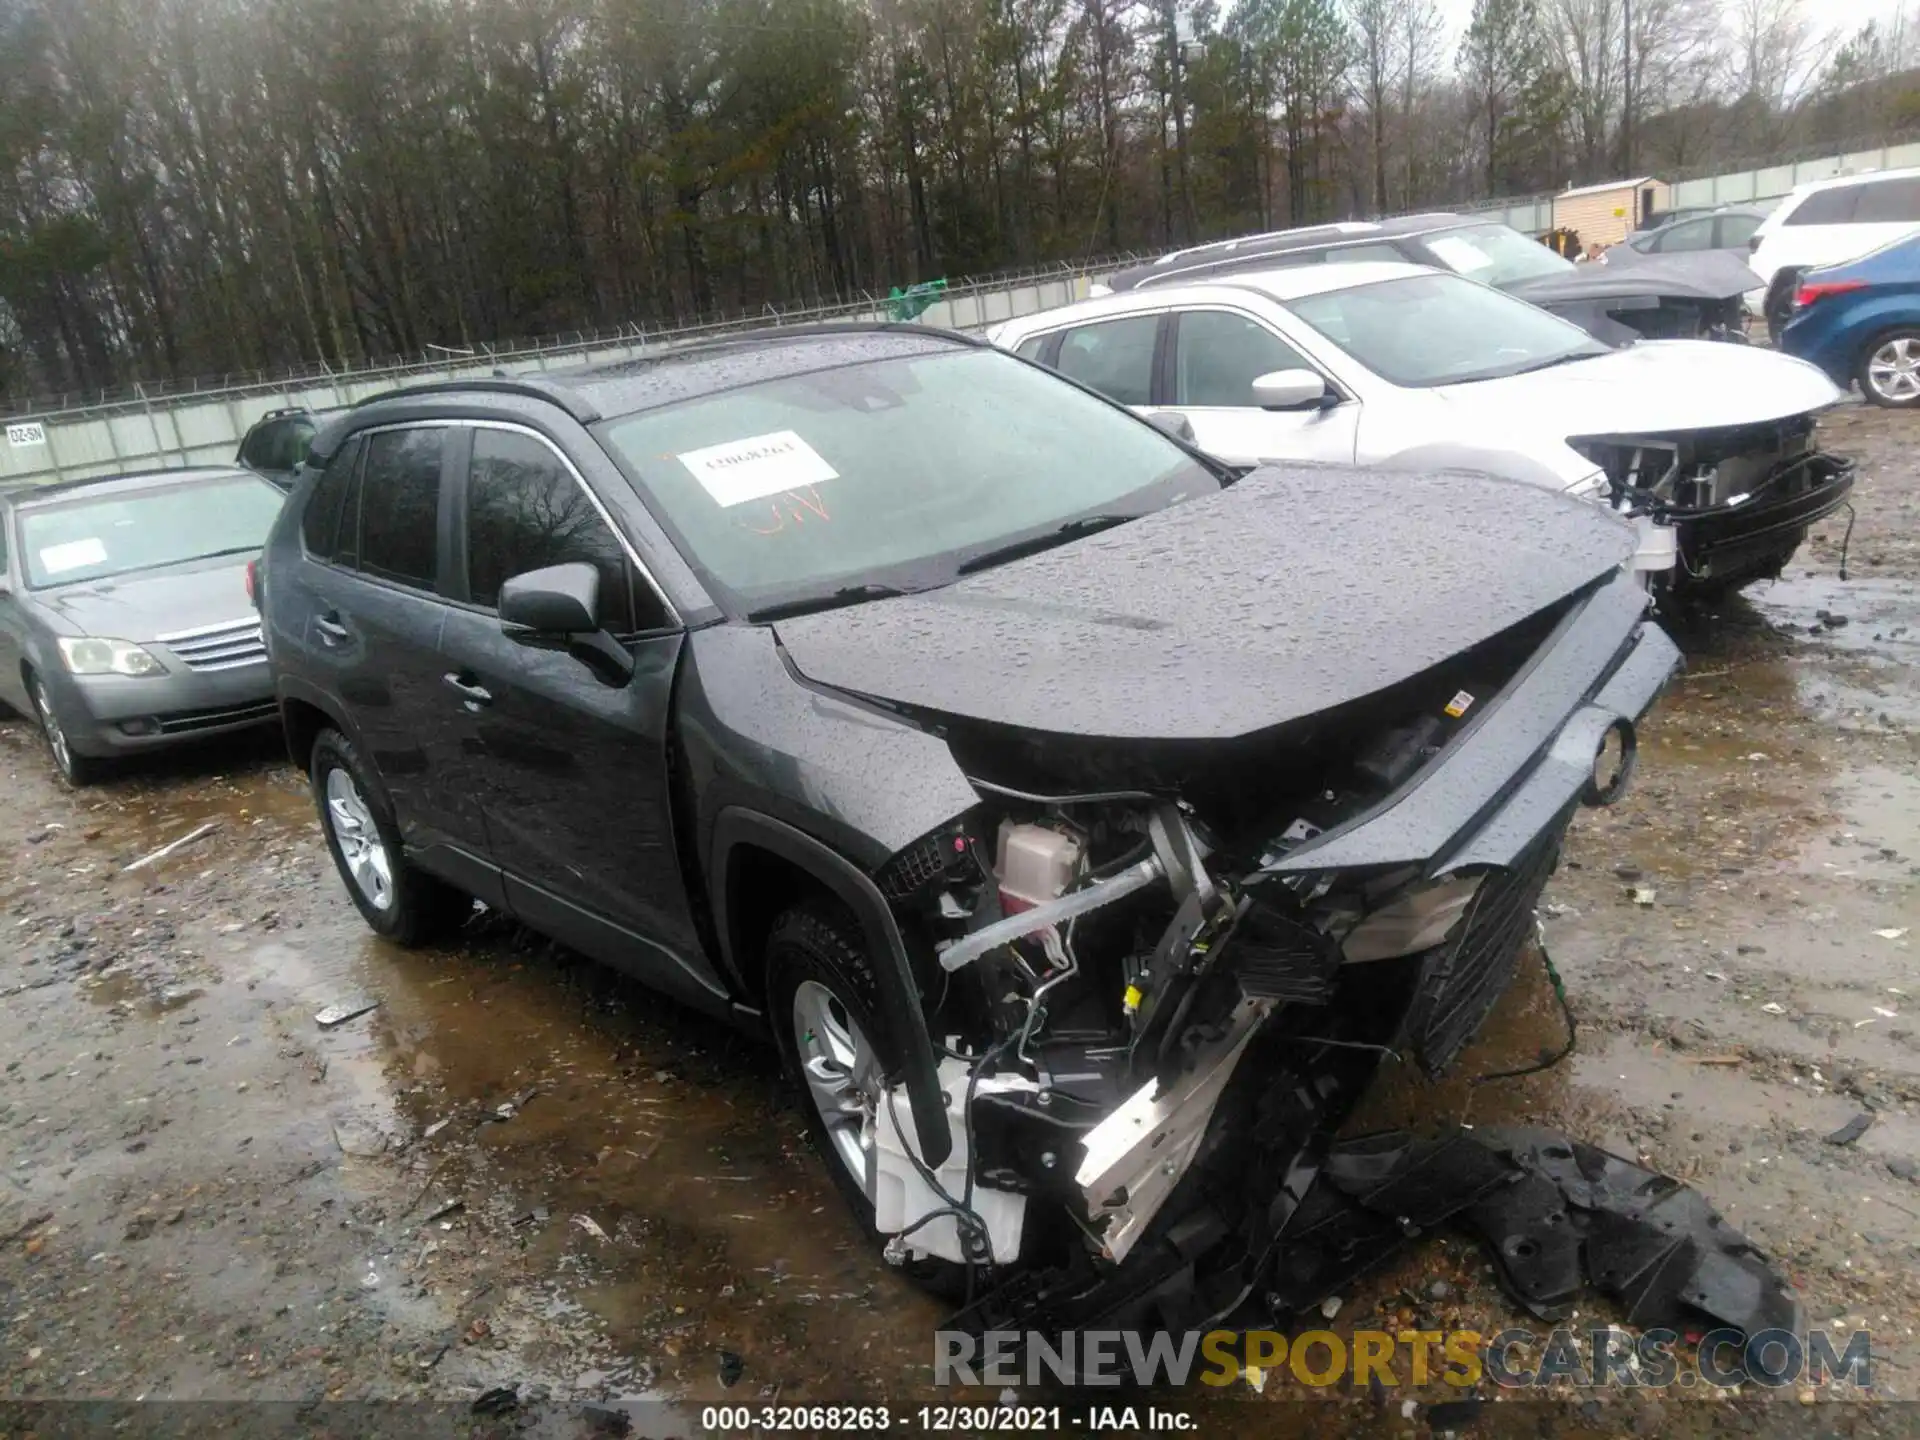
(1530, 217)
(190, 429)
(1744, 187)
(185, 430)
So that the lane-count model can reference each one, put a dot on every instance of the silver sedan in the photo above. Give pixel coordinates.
(126, 622)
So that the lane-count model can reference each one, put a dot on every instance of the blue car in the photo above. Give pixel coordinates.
(1861, 321)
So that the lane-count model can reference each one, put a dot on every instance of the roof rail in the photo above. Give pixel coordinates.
(528, 386)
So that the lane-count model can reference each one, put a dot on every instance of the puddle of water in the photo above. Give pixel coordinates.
(671, 1133)
(1859, 615)
(1875, 831)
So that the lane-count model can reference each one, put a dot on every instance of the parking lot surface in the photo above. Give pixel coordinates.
(516, 1169)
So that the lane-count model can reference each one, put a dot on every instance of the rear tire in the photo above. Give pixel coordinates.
(1889, 369)
(76, 770)
(397, 900)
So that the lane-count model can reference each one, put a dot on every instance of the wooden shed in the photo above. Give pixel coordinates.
(1607, 212)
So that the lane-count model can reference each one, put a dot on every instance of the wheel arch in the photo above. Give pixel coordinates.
(759, 862)
(304, 712)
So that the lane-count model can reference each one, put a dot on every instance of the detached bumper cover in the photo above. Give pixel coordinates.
(1554, 1214)
(1483, 802)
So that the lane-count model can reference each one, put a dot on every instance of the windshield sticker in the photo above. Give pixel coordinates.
(1460, 254)
(759, 466)
(74, 555)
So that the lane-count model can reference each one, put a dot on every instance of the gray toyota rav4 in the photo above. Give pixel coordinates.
(1043, 789)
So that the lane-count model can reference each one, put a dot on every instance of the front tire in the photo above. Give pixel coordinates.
(76, 770)
(1889, 370)
(398, 900)
(822, 1003)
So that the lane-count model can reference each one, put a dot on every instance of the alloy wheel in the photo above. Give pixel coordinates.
(361, 847)
(56, 737)
(1894, 370)
(842, 1075)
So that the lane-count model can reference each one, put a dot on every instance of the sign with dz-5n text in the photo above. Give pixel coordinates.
(30, 433)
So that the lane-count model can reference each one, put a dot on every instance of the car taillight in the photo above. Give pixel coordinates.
(1811, 292)
(253, 583)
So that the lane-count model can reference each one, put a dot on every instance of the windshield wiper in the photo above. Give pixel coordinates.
(1034, 544)
(808, 604)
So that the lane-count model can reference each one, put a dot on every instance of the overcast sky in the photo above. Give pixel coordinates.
(1846, 15)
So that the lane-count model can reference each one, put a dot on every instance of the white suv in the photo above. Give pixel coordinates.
(1827, 222)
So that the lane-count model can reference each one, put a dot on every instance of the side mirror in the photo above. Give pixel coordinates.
(1172, 422)
(1289, 390)
(560, 601)
(558, 608)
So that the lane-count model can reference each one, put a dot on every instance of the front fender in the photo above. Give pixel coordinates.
(892, 970)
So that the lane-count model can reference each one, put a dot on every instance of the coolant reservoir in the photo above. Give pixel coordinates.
(1033, 864)
(1656, 546)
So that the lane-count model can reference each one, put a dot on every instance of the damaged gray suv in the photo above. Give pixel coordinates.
(1082, 820)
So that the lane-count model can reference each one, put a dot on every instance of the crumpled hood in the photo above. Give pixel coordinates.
(1655, 387)
(158, 602)
(1297, 590)
(1701, 275)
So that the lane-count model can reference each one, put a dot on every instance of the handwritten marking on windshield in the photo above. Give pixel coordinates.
(797, 504)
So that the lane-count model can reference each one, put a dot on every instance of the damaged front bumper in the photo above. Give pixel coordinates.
(1734, 503)
(1752, 539)
(1157, 1172)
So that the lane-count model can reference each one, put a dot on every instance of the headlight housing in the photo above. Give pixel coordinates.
(92, 655)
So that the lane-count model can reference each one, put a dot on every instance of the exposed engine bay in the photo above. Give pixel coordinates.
(1201, 866)
(1740, 498)
(1153, 1007)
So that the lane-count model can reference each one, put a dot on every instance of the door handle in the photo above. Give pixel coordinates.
(331, 630)
(473, 695)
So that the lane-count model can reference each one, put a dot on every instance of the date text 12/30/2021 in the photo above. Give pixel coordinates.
(945, 1419)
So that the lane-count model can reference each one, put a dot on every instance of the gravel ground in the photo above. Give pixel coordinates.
(519, 1170)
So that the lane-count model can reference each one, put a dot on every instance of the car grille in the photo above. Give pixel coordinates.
(1462, 979)
(182, 722)
(226, 646)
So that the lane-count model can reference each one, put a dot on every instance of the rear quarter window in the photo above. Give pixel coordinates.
(1825, 207)
(1887, 202)
(320, 523)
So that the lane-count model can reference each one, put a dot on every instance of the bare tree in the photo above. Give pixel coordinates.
(1589, 43)
(1777, 50)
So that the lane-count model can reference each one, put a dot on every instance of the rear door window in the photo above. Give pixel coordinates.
(320, 525)
(1735, 231)
(1114, 357)
(1030, 349)
(400, 506)
(525, 511)
(1686, 236)
(1888, 202)
(1218, 355)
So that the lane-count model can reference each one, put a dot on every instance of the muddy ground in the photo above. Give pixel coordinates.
(518, 1170)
